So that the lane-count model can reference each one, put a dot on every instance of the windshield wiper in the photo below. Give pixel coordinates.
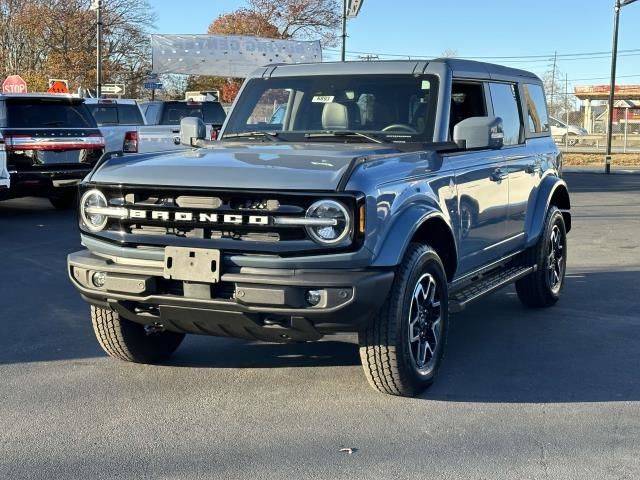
(53, 124)
(273, 136)
(346, 133)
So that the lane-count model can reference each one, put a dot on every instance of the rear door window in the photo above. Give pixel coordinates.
(504, 97)
(48, 113)
(537, 117)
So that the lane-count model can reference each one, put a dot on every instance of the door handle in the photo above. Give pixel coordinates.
(498, 175)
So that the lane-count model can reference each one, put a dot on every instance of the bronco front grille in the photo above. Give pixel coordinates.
(251, 221)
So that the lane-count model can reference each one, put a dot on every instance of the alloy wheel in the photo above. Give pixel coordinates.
(425, 324)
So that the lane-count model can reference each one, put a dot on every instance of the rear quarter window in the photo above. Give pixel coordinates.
(537, 116)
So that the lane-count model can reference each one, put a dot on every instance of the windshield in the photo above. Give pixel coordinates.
(116, 114)
(47, 113)
(394, 108)
(210, 113)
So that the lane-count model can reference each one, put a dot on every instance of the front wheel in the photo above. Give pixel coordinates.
(401, 349)
(128, 341)
(543, 287)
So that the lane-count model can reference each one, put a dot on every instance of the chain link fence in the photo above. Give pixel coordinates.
(581, 126)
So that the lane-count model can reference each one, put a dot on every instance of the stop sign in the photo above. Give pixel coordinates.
(14, 84)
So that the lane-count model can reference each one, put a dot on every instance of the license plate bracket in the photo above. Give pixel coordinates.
(192, 264)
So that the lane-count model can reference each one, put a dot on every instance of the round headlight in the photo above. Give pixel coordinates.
(337, 225)
(91, 199)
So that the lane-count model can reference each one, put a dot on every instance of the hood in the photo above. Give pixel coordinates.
(287, 166)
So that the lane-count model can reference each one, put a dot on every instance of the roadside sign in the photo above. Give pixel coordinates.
(354, 8)
(14, 84)
(57, 85)
(112, 89)
(152, 82)
(153, 85)
(96, 4)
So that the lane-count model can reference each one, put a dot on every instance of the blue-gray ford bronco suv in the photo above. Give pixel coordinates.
(382, 197)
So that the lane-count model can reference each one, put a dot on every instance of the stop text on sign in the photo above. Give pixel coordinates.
(14, 84)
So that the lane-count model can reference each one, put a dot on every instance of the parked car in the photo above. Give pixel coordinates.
(118, 120)
(566, 133)
(48, 143)
(163, 123)
(391, 195)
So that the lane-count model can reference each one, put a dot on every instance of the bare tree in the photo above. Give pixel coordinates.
(304, 19)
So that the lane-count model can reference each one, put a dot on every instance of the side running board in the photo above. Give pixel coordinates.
(485, 285)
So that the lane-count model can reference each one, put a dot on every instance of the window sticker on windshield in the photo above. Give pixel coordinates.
(426, 85)
(323, 99)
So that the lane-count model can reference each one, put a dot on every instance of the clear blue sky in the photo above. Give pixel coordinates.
(472, 28)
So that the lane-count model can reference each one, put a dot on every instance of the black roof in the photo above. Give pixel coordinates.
(460, 67)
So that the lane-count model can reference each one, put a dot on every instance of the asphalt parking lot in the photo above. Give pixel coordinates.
(522, 394)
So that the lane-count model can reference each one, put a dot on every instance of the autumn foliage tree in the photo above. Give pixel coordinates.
(41, 39)
(283, 19)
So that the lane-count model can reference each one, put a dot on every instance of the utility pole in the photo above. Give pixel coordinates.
(612, 86)
(97, 6)
(566, 109)
(553, 80)
(344, 30)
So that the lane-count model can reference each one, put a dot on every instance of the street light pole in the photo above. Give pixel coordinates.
(99, 50)
(612, 87)
(344, 31)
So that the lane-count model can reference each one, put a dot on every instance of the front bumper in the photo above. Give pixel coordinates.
(254, 303)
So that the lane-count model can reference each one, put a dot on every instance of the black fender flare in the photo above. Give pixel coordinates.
(405, 228)
(551, 187)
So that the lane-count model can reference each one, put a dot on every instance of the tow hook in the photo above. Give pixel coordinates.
(153, 329)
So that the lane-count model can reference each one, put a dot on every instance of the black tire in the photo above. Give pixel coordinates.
(128, 341)
(64, 200)
(386, 351)
(542, 288)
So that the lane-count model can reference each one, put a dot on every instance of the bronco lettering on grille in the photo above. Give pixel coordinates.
(212, 218)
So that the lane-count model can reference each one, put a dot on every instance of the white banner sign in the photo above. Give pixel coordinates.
(354, 8)
(227, 55)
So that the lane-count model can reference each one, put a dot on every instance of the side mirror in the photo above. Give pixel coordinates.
(479, 133)
(192, 129)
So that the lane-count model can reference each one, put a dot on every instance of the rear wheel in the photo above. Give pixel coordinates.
(402, 348)
(128, 341)
(64, 200)
(543, 287)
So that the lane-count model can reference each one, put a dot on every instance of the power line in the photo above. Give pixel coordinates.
(513, 58)
(359, 55)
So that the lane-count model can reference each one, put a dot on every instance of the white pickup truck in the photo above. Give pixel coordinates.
(162, 131)
(119, 121)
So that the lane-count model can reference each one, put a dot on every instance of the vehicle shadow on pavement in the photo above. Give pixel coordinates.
(207, 352)
(585, 349)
